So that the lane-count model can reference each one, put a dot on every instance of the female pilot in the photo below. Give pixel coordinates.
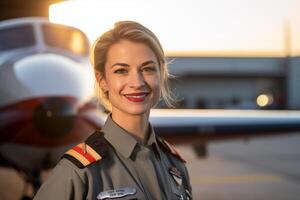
(125, 160)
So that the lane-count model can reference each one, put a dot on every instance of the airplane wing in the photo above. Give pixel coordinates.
(193, 126)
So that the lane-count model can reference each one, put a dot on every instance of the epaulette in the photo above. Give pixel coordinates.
(170, 148)
(88, 152)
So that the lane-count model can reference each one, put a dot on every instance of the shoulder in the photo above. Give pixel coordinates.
(64, 182)
(169, 148)
(91, 151)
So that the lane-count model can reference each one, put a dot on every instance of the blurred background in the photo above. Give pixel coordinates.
(225, 54)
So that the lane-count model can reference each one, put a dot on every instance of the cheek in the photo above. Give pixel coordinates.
(155, 86)
(115, 87)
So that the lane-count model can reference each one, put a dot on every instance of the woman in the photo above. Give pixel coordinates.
(126, 160)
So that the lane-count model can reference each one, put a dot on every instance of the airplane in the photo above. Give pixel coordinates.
(47, 103)
(45, 88)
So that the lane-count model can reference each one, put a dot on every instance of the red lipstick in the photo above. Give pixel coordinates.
(136, 97)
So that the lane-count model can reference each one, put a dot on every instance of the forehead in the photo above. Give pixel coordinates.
(129, 51)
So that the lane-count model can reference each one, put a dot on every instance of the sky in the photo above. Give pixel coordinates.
(195, 27)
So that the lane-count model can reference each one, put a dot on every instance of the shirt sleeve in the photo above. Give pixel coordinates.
(63, 183)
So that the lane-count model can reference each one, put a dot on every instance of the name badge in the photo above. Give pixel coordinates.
(117, 193)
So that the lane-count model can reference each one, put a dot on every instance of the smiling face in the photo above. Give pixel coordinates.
(132, 78)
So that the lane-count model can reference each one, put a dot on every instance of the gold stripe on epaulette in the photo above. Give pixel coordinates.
(83, 147)
(92, 152)
(78, 156)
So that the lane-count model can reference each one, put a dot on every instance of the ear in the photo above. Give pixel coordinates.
(101, 81)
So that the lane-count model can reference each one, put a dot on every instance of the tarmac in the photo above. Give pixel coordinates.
(259, 169)
(256, 169)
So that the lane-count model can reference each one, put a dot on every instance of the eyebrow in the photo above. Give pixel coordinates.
(143, 64)
(120, 64)
(147, 63)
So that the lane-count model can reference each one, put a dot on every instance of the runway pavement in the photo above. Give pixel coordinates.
(265, 168)
(259, 169)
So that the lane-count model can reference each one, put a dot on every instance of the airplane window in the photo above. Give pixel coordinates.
(16, 37)
(66, 38)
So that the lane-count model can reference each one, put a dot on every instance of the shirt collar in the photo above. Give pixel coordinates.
(121, 140)
(153, 142)
(152, 137)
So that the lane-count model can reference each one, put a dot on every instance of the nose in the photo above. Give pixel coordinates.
(136, 80)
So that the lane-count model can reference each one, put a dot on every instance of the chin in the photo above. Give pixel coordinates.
(138, 111)
(133, 109)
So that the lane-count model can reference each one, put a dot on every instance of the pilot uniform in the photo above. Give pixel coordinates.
(113, 165)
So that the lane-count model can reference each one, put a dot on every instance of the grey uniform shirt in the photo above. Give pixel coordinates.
(149, 170)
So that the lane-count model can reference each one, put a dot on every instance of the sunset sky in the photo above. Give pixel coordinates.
(195, 27)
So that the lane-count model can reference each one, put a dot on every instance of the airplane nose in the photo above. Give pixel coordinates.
(54, 117)
(44, 75)
(43, 100)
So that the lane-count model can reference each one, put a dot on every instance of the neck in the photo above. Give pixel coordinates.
(137, 125)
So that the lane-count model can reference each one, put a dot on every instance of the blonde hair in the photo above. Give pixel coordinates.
(135, 32)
